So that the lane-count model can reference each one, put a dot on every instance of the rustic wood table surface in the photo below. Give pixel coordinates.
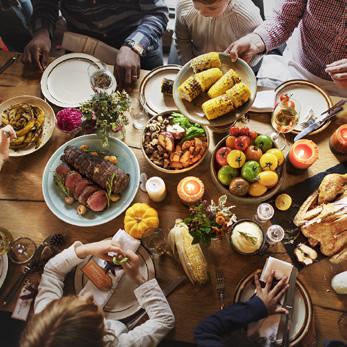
(24, 213)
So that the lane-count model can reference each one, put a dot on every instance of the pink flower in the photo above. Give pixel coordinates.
(69, 119)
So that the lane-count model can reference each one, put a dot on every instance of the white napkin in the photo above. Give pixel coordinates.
(264, 101)
(126, 242)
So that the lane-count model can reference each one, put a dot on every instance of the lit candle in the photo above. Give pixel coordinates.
(156, 189)
(303, 154)
(190, 190)
(338, 140)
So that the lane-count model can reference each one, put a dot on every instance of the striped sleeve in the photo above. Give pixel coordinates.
(247, 16)
(45, 15)
(285, 19)
(152, 26)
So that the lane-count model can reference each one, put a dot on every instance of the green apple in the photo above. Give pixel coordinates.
(250, 170)
(226, 173)
(264, 142)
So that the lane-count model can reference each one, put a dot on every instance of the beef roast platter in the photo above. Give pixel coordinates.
(86, 185)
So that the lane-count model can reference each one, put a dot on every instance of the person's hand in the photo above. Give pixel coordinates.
(37, 50)
(99, 249)
(247, 47)
(127, 68)
(271, 297)
(132, 267)
(338, 72)
(7, 134)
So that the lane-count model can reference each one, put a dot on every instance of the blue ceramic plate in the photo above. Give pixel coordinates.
(67, 213)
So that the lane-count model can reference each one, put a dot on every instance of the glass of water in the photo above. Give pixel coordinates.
(274, 234)
(138, 113)
(264, 213)
(155, 243)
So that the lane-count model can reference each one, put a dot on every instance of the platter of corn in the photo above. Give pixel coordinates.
(214, 91)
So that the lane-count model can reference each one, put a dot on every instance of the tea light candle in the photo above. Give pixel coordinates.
(303, 154)
(190, 190)
(338, 140)
(156, 189)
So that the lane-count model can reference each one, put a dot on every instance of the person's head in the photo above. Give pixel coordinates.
(69, 321)
(211, 8)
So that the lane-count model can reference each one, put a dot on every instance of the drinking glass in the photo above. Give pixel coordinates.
(274, 234)
(101, 79)
(264, 213)
(138, 113)
(155, 243)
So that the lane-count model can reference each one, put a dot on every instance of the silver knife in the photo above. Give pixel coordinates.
(317, 124)
(167, 291)
(7, 64)
(289, 305)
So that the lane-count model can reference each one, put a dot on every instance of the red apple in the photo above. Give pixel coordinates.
(221, 155)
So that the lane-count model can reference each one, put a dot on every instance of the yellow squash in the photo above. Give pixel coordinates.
(140, 219)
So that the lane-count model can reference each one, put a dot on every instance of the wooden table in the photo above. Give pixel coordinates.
(24, 213)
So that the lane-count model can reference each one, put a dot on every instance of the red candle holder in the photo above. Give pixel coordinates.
(338, 140)
(303, 154)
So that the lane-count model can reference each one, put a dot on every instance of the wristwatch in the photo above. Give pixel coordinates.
(137, 48)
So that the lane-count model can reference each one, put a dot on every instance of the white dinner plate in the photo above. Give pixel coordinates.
(307, 96)
(123, 302)
(3, 268)
(150, 89)
(302, 314)
(66, 81)
(48, 125)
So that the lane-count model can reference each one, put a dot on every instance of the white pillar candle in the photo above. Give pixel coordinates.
(156, 189)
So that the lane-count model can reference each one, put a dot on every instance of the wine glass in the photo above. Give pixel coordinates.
(264, 213)
(155, 242)
(20, 250)
(138, 113)
(284, 119)
(274, 234)
(101, 78)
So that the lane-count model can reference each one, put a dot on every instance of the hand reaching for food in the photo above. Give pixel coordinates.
(99, 249)
(272, 296)
(7, 134)
(338, 72)
(132, 267)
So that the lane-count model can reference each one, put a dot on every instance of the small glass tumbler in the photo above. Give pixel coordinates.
(138, 113)
(264, 213)
(155, 243)
(274, 234)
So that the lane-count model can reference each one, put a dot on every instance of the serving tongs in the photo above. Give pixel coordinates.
(51, 246)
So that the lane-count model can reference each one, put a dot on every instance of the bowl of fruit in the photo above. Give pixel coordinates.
(173, 144)
(247, 166)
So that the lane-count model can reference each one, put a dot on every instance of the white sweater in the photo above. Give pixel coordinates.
(196, 34)
(149, 295)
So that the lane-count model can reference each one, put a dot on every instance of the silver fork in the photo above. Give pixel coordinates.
(220, 287)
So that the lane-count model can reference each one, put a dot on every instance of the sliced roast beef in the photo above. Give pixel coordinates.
(62, 170)
(80, 187)
(96, 169)
(87, 192)
(97, 202)
(71, 181)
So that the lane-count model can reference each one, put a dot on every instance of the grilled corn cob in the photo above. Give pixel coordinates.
(190, 256)
(224, 83)
(208, 77)
(189, 89)
(205, 61)
(239, 94)
(217, 107)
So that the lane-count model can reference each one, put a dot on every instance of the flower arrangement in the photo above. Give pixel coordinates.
(209, 221)
(69, 119)
(106, 113)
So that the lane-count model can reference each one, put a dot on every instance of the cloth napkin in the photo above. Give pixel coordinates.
(264, 101)
(126, 242)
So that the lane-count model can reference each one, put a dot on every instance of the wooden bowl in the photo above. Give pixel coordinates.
(172, 171)
(243, 199)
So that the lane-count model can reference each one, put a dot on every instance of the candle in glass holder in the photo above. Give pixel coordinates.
(338, 140)
(190, 190)
(156, 189)
(303, 154)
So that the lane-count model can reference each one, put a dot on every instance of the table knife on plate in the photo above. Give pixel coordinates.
(167, 291)
(289, 305)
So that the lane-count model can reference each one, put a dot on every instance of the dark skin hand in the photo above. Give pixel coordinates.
(127, 68)
(37, 50)
(271, 297)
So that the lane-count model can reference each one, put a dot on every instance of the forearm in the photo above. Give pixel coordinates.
(45, 15)
(184, 49)
(275, 31)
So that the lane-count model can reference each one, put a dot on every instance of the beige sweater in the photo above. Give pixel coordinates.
(195, 34)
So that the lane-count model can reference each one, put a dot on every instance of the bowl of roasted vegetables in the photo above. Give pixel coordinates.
(171, 143)
(247, 166)
(214, 91)
(33, 120)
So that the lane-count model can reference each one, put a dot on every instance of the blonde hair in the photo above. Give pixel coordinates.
(68, 321)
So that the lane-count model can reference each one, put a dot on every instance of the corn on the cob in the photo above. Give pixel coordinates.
(205, 61)
(208, 77)
(189, 89)
(217, 107)
(224, 83)
(239, 94)
(190, 256)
